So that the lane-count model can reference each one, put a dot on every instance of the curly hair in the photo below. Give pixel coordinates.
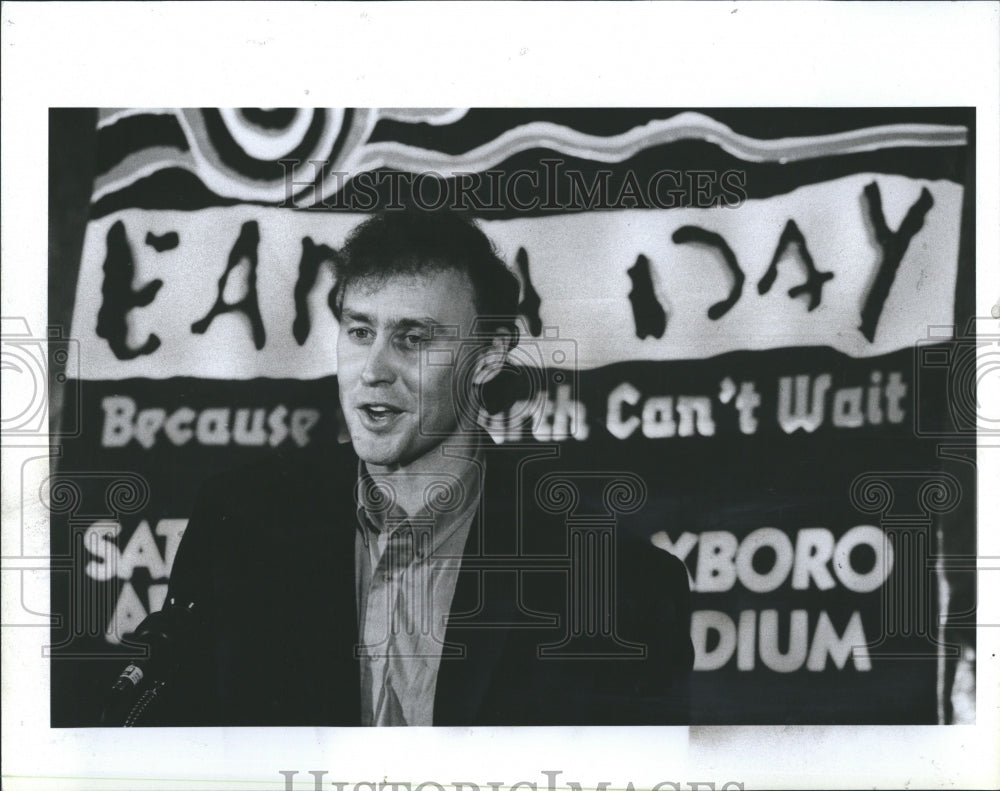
(410, 241)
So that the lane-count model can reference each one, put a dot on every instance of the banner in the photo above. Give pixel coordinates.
(759, 313)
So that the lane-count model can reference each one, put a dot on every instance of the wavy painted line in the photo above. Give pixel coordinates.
(435, 116)
(223, 182)
(686, 126)
(359, 157)
(139, 165)
(109, 116)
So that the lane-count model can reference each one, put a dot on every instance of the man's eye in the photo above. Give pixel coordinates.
(360, 333)
(412, 340)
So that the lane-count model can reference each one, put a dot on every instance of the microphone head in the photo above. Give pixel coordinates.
(168, 633)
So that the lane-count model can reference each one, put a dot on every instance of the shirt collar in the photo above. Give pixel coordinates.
(460, 496)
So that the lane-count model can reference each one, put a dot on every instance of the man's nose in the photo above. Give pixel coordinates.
(379, 368)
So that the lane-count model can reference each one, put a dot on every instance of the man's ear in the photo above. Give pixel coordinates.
(491, 359)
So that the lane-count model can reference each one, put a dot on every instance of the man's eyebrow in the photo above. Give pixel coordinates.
(354, 315)
(421, 322)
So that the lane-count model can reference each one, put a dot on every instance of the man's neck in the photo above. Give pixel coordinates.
(446, 462)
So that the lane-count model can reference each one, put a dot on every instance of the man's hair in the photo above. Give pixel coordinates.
(411, 241)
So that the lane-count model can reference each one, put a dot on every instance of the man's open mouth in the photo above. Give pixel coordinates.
(379, 413)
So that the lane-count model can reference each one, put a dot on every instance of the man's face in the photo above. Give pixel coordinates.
(397, 406)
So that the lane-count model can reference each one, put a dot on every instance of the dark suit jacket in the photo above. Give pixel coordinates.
(267, 560)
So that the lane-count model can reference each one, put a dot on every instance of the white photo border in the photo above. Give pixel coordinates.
(727, 54)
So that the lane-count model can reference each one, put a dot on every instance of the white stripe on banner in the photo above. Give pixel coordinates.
(109, 116)
(578, 264)
(684, 126)
(359, 156)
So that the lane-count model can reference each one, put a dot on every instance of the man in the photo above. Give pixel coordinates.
(422, 574)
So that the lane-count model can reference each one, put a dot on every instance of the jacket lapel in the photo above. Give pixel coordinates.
(485, 607)
(477, 629)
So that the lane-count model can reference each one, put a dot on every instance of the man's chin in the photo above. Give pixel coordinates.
(392, 454)
(380, 453)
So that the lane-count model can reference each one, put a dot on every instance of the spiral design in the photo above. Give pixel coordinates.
(625, 494)
(557, 494)
(60, 494)
(444, 495)
(871, 494)
(940, 495)
(376, 498)
(127, 495)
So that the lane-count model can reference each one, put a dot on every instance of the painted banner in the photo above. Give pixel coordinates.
(758, 312)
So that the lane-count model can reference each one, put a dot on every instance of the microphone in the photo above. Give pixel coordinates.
(140, 686)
